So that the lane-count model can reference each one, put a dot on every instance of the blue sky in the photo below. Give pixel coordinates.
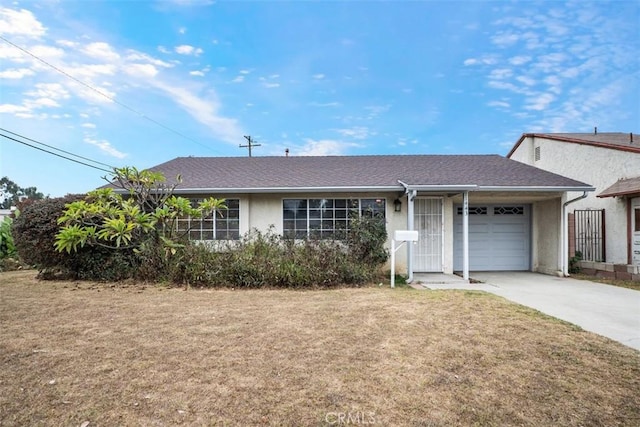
(162, 79)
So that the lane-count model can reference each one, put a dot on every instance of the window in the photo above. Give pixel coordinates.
(636, 213)
(536, 153)
(222, 225)
(474, 210)
(508, 210)
(326, 218)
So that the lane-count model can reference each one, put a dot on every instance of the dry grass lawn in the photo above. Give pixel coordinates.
(76, 352)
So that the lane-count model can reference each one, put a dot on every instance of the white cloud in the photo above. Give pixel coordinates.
(41, 103)
(270, 85)
(133, 55)
(182, 30)
(16, 73)
(196, 73)
(376, 110)
(204, 110)
(324, 104)
(245, 71)
(91, 70)
(13, 109)
(163, 49)
(186, 49)
(499, 104)
(238, 79)
(322, 147)
(480, 61)
(505, 39)
(539, 102)
(519, 60)
(528, 81)
(318, 76)
(106, 147)
(46, 52)
(20, 23)
(88, 125)
(357, 132)
(500, 73)
(101, 50)
(141, 70)
(48, 90)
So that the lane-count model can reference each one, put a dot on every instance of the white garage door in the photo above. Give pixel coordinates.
(499, 238)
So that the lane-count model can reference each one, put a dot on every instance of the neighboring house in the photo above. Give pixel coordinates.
(4, 213)
(513, 219)
(604, 219)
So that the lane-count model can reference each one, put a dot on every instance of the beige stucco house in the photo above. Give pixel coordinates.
(607, 221)
(472, 212)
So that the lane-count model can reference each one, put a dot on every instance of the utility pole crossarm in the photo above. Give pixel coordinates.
(250, 143)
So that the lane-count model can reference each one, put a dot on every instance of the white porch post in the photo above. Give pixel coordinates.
(465, 235)
(411, 195)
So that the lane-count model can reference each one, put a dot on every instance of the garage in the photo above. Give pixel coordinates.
(499, 238)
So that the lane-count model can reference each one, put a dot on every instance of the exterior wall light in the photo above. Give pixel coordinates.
(397, 205)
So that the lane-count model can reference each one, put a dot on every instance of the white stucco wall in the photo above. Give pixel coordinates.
(597, 166)
(264, 210)
(546, 231)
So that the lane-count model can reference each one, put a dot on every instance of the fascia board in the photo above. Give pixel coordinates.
(533, 188)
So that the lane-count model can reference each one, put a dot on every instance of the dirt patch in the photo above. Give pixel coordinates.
(112, 354)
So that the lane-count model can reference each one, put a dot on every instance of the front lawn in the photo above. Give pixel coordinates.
(113, 354)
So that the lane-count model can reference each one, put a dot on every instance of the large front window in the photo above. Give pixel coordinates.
(221, 225)
(326, 218)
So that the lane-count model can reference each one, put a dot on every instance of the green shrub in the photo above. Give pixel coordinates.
(7, 247)
(34, 233)
(265, 259)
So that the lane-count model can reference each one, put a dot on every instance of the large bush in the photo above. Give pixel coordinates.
(267, 260)
(34, 233)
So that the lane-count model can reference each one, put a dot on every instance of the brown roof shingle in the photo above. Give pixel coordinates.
(336, 172)
(622, 187)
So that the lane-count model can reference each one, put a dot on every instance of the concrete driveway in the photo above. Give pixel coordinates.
(606, 310)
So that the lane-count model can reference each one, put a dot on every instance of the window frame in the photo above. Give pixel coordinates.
(216, 227)
(327, 218)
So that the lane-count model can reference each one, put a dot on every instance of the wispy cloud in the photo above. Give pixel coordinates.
(322, 147)
(106, 147)
(356, 132)
(186, 49)
(20, 22)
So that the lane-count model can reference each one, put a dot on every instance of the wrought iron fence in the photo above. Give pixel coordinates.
(590, 234)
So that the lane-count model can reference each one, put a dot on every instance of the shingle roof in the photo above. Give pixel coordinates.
(622, 187)
(336, 172)
(612, 140)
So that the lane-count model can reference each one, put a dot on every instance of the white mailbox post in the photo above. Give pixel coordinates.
(401, 236)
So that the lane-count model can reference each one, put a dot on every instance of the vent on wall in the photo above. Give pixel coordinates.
(536, 153)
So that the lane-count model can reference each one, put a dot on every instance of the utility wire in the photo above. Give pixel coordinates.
(57, 149)
(56, 154)
(110, 98)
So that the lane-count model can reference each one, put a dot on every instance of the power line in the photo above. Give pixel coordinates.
(110, 98)
(56, 154)
(57, 149)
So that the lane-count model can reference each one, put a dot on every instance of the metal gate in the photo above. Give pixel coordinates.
(590, 234)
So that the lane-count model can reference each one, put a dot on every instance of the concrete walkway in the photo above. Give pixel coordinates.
(606, 310)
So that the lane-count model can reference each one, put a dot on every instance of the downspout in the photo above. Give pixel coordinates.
(564, 256)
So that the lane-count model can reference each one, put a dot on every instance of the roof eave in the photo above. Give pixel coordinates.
(255, 190)
(532, 188)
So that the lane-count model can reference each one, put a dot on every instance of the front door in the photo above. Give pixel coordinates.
(427, 217)
(635, 231)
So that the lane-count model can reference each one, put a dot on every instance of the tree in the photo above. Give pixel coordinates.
(144, 212)
(11, 193)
